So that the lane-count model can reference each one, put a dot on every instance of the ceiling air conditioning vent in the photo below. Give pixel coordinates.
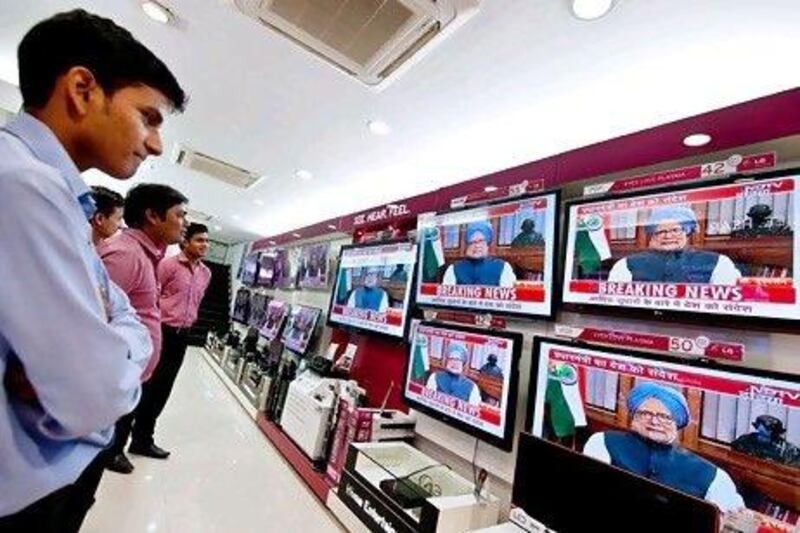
(198, 216)
(371, 40)
(215, 168)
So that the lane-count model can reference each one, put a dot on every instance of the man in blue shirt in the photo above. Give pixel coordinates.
(71, 348)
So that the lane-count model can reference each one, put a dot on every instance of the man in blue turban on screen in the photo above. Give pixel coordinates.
(451, 380)
(651, 449)
(478, 268)
(370, 296)
(669, 257)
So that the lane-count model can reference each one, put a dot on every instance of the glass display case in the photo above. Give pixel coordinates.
(391, 486)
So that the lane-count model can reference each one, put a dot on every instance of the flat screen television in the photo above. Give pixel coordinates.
(312, 271)
(286, 263)
(300, 326)
(241, 306)
(727, 249)
(726, 434)
(465, 377)
(373, 287)
(276, 315)
(498, 258)
(572, 493)
(266, 269)
(250, 269)
(258, 309)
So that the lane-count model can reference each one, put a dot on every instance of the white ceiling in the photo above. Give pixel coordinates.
(521, 81)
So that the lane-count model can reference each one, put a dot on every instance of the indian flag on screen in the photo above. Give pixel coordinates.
(432, 254)
(563, 400)
(591, 243)
(344, 285)
(420, 364)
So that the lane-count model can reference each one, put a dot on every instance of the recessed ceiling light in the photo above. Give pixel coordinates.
(304, 175)
(697, 139)
(331, 226)
(591, 9)
(273, 243)
(217, 228)
(157, 12)
(258, 201)
(296, 235)
(379, 127)
(236, 217)
(490, 188)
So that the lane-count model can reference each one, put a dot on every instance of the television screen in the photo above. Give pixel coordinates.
(241, 306)
(286, 263)
(258, 309)
(266, 269)
(497, 258)
(300, 326)
(276, 314)
(250, 269)
(729, 435)
(466, 377)
(373, 287)
(312, 272)
(724, 249)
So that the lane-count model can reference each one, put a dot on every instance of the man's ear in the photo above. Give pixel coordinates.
(82, 88)
(97, 219)
(152, 217)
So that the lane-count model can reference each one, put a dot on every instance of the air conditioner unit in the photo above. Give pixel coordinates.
(370, 40)
(196, 215)
(214, 168)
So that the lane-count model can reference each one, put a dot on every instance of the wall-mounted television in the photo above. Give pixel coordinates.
(275, 316)
(249, 273)
(373, 287)
(258, 309)
(241, 306)
(726, 434)
(497, 258)
(727, 249)
(286, 264)
(466, 377)
(300, 326)
(266, 269)
(312, 272)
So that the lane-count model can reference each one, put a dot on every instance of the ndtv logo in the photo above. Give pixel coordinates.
(760, 189)
(778, 396)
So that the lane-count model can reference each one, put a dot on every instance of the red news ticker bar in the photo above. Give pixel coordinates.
(393, 319)
(523, 294)
(778, 294)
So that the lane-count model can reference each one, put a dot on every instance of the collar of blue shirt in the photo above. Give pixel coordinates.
(43, 143)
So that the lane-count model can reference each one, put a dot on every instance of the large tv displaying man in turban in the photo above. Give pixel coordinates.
(370, 296)
(478, 268)
(452, 380)
(669, 257)
(650, 449)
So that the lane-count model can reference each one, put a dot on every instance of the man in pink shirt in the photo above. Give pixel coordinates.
(184, 280)
(156, 216)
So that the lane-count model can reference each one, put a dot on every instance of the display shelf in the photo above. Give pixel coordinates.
(229, 384)
(315, 480)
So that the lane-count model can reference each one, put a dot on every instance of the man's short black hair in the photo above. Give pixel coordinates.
(77, 38)
(159, 198)
(195, 228)
(106, 200)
